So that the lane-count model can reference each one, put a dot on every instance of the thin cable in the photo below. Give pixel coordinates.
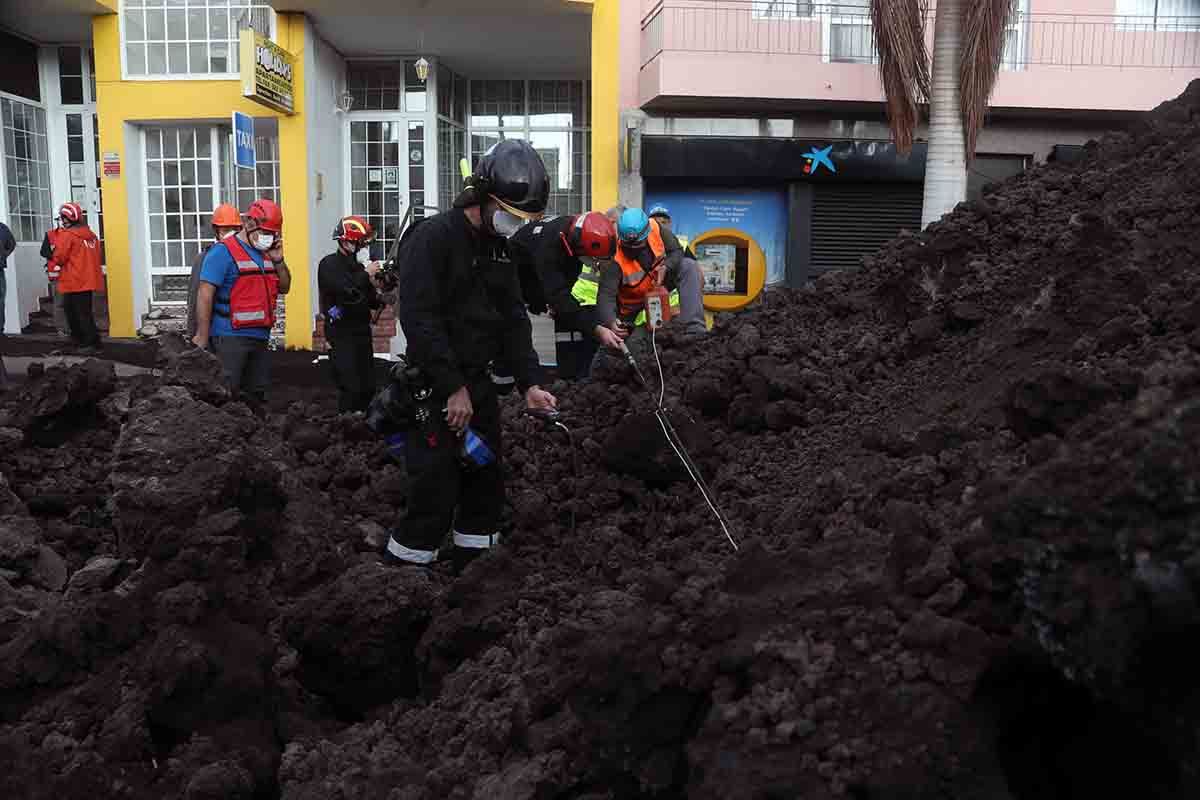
(574, 472)
(662, 382)
(696, 481)
(692, 470)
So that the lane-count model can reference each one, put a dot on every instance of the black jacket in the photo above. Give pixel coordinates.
(7, 245)
(548, 273)
(460, 305)
(343, 282)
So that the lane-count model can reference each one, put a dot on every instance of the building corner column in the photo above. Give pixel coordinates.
(294, 194)
(605, 102)
(123, 315)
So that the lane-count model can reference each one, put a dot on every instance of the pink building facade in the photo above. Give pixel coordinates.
(723, 99)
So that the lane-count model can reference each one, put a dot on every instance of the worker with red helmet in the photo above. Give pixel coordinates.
(240, 281)
(226, 221)
(74, 264)
(558, 262)
(347, 297)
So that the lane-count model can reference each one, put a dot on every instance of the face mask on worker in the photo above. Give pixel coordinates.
(227, 234)
(505, 223)
(264, 241)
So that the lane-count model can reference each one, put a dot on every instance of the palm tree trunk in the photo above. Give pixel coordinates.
(946, 162)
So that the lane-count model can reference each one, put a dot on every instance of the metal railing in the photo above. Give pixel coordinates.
(842, 33)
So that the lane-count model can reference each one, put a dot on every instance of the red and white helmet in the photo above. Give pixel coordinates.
(593, 236)
(71, 212)
(353, 229)
(266, 215)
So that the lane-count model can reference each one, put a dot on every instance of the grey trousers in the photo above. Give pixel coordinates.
(690, 283)
(246, 363)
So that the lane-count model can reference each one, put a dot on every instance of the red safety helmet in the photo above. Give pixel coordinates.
(592, 236)
(353, 229)
(71, 212)
(266, 214)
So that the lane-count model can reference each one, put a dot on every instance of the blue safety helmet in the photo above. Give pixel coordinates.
(633, 227)
(660, 211)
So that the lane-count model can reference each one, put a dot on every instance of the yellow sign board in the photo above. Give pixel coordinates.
(268, 72)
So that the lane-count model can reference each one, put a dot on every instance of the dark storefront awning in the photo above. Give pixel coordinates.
(744, 159)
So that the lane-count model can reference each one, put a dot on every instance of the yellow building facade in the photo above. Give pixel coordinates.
(378, 126)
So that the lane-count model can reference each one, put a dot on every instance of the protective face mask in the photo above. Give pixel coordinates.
(227, 234)
(506, 224)
(264, 241)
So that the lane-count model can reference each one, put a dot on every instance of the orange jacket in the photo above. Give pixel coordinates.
(77, 253)
(636, 282)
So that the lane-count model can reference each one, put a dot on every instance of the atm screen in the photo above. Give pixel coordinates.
(718, 263)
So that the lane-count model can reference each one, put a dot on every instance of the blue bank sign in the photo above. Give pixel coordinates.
(243, 140)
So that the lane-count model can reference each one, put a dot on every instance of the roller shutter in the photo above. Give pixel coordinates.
(853, 220)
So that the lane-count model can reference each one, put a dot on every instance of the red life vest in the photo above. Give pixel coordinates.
(251, 302)
(53, 268)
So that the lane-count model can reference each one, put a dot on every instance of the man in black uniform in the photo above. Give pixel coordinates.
(557, 263)
(348, 297)
(461, 309)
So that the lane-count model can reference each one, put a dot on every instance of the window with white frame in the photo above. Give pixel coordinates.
(188, 172)
(849, 32)
(1013, 55)
(174, 38)
(26, 168)
(263, 180)
(182, 174)
(1159, 15)
(782, 9)
(551, 116)
(452, 98)
(385, 86)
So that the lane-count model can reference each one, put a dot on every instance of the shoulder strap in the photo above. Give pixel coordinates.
(235, 249)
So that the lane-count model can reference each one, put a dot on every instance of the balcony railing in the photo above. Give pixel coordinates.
(842, 33)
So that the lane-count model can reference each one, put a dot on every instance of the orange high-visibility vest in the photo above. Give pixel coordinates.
(636, 283)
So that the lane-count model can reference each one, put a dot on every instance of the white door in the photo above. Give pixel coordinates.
(83, 175)
(379, 161)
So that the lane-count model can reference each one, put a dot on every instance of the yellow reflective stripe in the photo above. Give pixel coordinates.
(585, 291)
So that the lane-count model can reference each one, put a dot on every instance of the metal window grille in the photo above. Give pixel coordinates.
(182, 167)
(27, 167)
(161, 38)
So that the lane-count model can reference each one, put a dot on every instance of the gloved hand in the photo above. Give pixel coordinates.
(334, 313)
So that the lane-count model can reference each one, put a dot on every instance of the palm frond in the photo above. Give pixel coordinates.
(983, 27)
(898, 27)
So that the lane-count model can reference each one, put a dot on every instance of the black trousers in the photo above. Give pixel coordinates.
(352, 357)
(441, 493)
(574, 352)
(80, 320)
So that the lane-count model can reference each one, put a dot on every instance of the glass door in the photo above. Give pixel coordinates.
(379, 175)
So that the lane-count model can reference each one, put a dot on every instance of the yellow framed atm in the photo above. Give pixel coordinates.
(734, 267)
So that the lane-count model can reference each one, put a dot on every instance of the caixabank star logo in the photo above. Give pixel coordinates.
(814, 159)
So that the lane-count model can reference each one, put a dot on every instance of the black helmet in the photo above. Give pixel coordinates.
(513, 173)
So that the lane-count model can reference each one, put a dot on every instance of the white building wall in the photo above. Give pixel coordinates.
(325, 76)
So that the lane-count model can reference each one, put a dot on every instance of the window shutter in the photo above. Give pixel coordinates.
(850, 221)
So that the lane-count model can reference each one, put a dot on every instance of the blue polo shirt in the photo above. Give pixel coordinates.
(221, 271)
